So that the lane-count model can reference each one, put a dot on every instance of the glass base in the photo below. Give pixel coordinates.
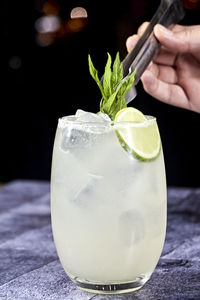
(111, 288)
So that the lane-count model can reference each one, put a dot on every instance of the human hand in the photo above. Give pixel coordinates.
(174, 75)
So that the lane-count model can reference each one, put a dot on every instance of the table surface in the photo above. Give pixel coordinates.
(30, 269)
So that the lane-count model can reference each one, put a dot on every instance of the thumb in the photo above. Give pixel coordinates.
(186, 40)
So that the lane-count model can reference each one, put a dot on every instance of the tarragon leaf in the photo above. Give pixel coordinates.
(117, 74)
(119, 95)
(126, 85)
(117, 106)
(108, 104)
(107, 77)
(94, 74)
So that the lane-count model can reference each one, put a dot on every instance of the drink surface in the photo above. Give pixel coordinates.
(108, 208)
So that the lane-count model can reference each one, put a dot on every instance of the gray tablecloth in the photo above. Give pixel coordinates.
(30, 269)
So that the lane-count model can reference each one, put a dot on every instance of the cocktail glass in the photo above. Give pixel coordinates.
(108, 208)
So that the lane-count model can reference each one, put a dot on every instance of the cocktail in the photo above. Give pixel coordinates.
(108, 199)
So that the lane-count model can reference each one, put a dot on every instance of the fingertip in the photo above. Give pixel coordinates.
(173, 41)
(142, 28)
(131, 41)
(160, 31)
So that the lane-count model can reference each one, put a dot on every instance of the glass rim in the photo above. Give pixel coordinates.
(65, 121)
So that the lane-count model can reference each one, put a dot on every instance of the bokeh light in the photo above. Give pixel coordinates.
(45, 39)
(75, 25)
(52, 25)
(47, 24)
(78, 12)
(191, 4)
(51, 7)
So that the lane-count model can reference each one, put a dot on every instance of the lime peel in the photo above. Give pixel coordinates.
(143, 141)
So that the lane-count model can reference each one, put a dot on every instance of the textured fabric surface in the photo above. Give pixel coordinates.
(30, 269)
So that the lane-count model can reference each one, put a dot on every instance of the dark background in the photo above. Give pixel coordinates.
(45, 76)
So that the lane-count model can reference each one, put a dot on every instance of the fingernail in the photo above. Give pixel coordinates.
(163, 30)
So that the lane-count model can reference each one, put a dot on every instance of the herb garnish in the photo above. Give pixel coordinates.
(114, 87)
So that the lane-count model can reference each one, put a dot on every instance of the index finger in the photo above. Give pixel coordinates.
(132, 40)
(166, 92)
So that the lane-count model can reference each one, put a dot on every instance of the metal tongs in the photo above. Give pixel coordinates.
(169, 13)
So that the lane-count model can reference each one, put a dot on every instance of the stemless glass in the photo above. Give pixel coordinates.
(108, 208)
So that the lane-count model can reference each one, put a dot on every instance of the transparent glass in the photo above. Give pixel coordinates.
(108, 208)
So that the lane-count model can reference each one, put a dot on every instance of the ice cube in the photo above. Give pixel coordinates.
(83, 134)
(97, 156)
(86, 116)
(100, 121)
(103, 116)
(88, 193)
(64, 121)
(73, 136)
(131, 227)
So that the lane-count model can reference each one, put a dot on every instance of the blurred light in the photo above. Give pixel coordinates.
(78, 12)
(191, 4)
(51, 7)
(75, 25)
(15, 62)
(47, 24)
(45, 39)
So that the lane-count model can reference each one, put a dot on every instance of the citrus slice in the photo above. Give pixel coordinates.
(141, 138)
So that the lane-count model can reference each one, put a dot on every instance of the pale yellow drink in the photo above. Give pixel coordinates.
(108, 208)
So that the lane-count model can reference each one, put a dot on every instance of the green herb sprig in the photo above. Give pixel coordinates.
(114, 88)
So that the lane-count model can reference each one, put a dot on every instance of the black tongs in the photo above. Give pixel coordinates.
(169, 13)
